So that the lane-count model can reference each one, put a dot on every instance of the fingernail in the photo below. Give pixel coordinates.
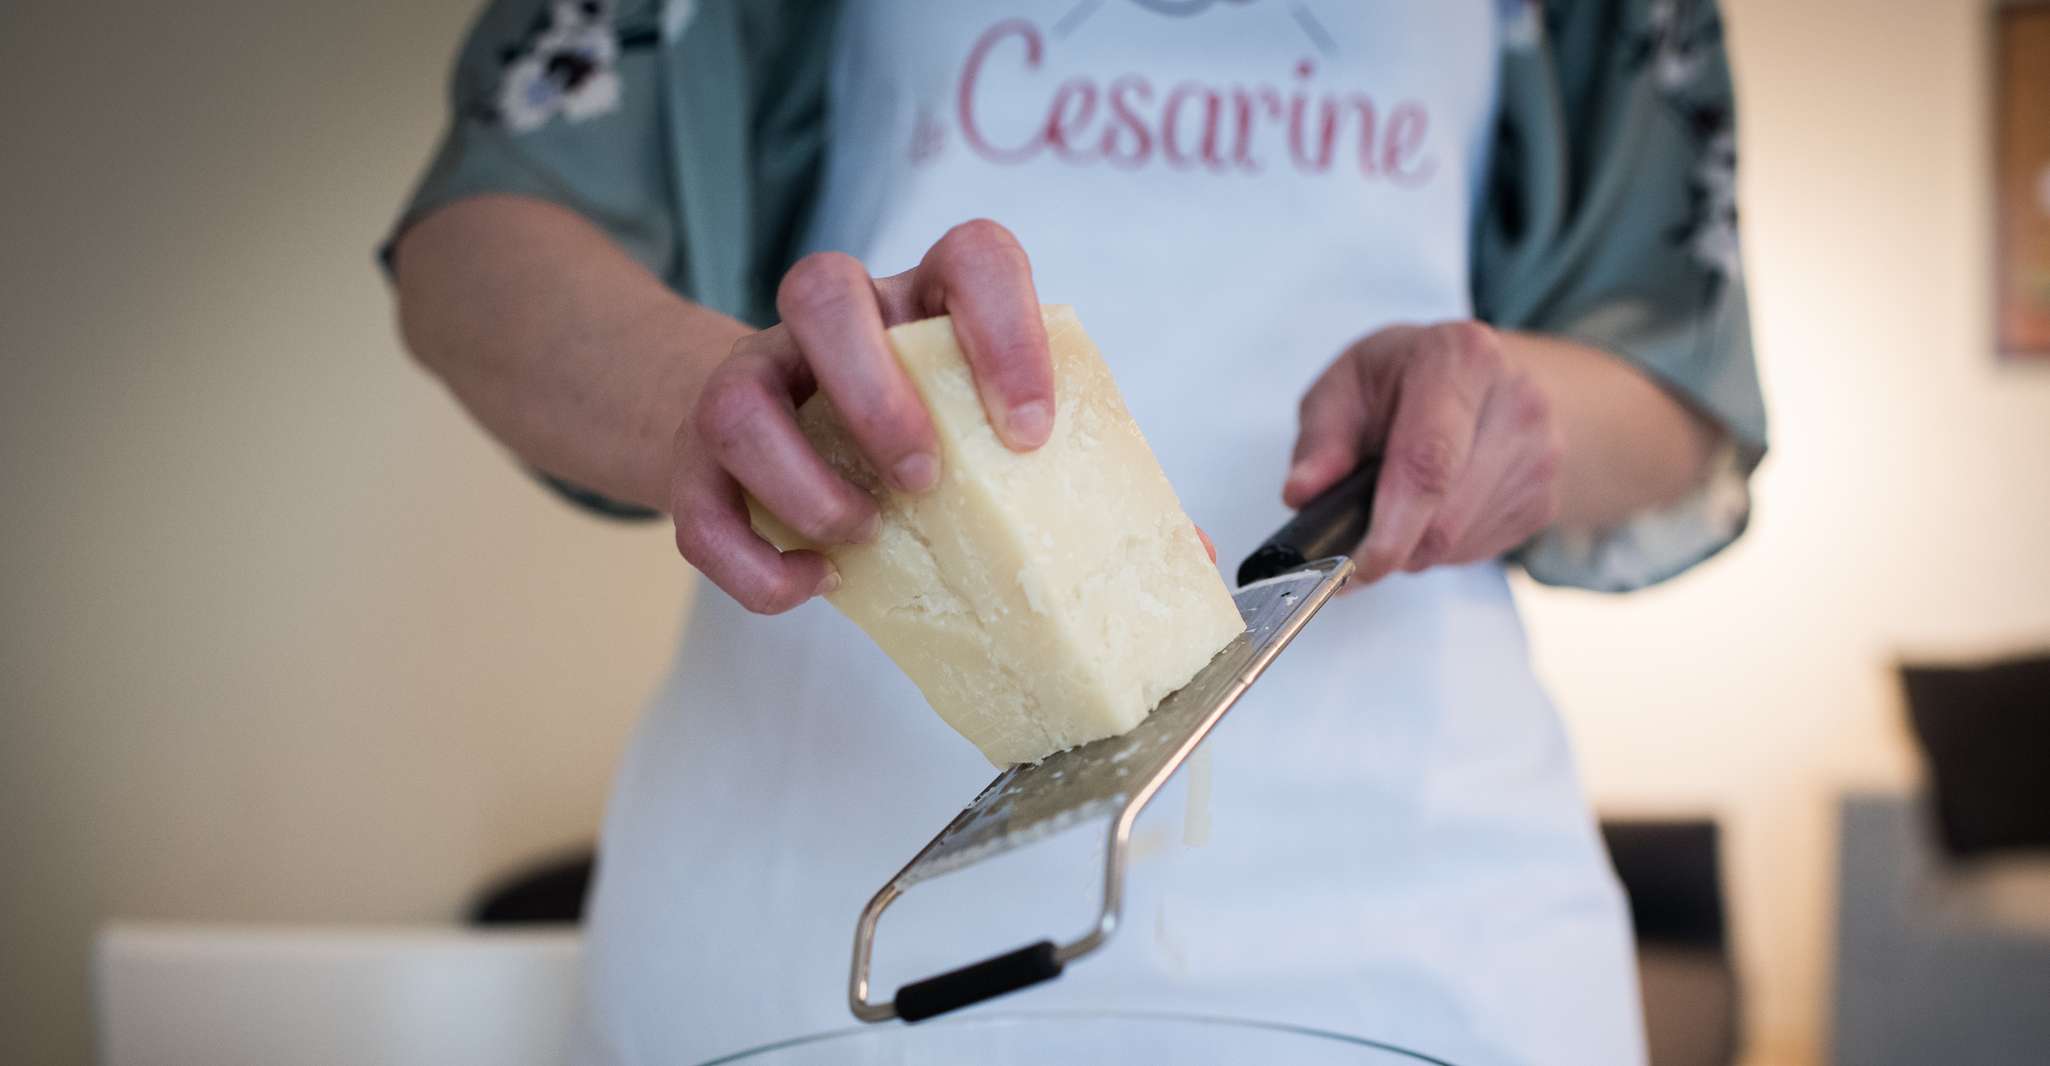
(916, 472)
(1031, 423)
(828, 583)
(869, 529)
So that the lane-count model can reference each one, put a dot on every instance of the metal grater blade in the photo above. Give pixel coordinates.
(1112, 778)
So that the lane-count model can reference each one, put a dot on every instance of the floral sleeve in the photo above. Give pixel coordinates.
(690, 131)
(1611, 219)
(558, 100)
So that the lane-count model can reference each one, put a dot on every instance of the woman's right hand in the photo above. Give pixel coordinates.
(742, 434)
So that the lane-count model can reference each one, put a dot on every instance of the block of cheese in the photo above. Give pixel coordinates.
(1039, 600)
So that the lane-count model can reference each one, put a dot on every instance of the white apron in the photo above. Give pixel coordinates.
(1229, 192)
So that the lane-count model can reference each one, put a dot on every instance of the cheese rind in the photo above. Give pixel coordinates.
(1041, 599)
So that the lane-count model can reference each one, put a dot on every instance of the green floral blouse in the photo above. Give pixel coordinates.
(692, 132)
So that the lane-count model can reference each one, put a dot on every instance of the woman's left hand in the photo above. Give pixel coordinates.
(1468, 443)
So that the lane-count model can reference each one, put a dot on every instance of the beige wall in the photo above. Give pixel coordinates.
(283, 638)
(1906, 507)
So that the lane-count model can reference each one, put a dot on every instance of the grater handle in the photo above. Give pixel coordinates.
(1332, 524)
(974, 983)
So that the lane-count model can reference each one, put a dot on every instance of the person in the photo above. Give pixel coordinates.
(1491, 242)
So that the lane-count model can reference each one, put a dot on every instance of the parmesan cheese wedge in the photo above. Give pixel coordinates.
(1039, 600)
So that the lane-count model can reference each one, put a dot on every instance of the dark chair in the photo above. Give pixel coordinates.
(1672, 872)
(549, 892)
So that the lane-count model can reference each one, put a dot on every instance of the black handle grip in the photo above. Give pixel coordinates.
(1332, 524)
(972, 984)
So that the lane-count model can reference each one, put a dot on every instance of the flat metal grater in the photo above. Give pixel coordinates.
(1282, 585)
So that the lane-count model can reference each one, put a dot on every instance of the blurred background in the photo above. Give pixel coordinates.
(286, 640)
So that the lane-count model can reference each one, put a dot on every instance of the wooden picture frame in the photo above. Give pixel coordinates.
(2021, 162)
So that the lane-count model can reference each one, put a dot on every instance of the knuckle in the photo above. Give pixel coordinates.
(1544, 465)
(757, 598)
(728, 409)
(758, 354)
(690, 539)
(1426, 464)
(982, 234)
(819, 284)
(980, 243)
(1444, 537)
(1529, 404)
(751, 345)
(885, 419)
(761, 593)
(834, 518)
(1473, 344)
(1432, 547)
(1381, 359)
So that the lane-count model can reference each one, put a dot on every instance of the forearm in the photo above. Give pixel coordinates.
(1628, 443)
(567, 350)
